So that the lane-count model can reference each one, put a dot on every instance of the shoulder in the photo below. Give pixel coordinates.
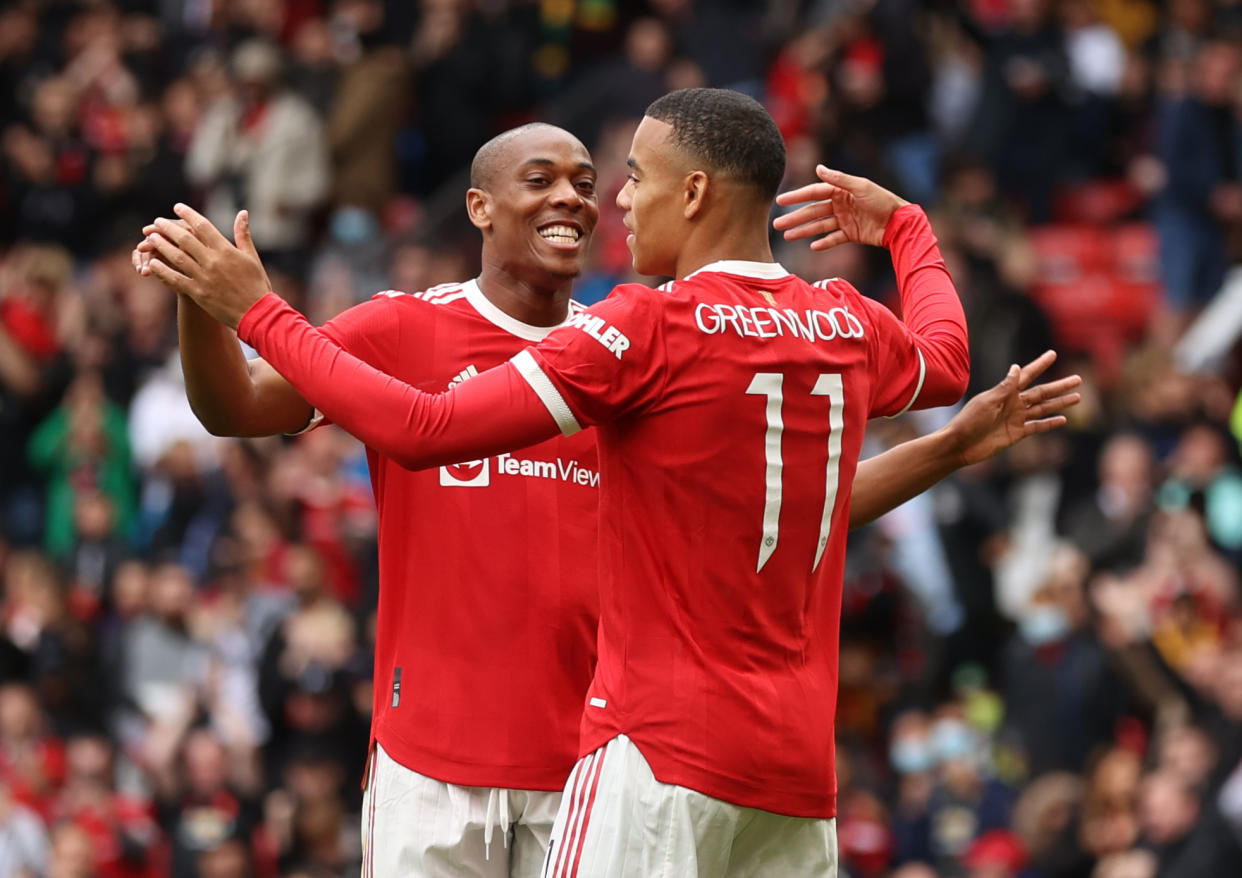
(434, 298)
(637, 291)
(389, 309)
(624, 299)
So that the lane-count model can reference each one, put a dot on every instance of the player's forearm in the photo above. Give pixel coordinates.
(493, 412)
(221, 386)
(930, 306)
(887, 480)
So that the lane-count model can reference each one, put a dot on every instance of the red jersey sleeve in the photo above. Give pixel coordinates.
(369, 331)
(608, 362)
(925, 361)
(494, 412)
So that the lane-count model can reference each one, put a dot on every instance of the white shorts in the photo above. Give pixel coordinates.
(414, 826)
(616, 821)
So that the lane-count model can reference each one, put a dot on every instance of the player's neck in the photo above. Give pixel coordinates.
(532, 304)
(740, 241)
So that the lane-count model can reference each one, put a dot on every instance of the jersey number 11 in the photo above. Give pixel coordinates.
(769, 384)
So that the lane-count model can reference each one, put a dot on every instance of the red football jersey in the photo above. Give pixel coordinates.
(488, 595)
(732, 406)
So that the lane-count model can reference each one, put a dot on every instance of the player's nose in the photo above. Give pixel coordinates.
(566, 194)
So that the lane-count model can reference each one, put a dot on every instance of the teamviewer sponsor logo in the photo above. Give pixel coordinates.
(470, 474)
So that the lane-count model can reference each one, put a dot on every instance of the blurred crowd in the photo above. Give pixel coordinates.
(1041, 670)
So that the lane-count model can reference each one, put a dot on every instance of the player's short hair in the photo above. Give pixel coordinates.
(728, 131)
(488, 159)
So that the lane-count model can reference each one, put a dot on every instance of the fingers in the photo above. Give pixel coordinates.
(181, 236)
(199, 224)
(803, 194)
(815, 210)
(1040, 392)
(172, 255)
(810, 229)
(1030, 428)
(839, 179)
(241, 233)
(1052, 406)
(830, 240)
(1036, 367)
(170, 278)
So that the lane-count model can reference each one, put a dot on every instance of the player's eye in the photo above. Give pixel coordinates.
(537, 181)
(587, 186)
(632, 179)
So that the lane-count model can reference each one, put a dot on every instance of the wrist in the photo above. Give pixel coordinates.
(898, 220)
(951, 445)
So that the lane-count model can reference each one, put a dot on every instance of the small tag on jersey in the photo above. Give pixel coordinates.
(396, 687)
(767, 295)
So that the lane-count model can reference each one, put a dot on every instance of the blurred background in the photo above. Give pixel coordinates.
(1041, 671)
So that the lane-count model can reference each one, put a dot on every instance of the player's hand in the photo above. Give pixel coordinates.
(1006, 414)
(840, 209)
(142, 255)
(194, 259)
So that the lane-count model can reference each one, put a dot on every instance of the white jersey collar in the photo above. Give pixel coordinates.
(758, 270)
(492, 314)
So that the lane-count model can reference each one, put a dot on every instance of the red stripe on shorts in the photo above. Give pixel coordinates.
(573, 816)
(586, 818)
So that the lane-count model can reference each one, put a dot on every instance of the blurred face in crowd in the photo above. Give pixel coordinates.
(72, 854)
(1125, 475)
(1189, 754)
(910, 750)
(537, 206)
(171, 593)
(90, 759)
(1167, 808)
(227, 860)
(206, 763)
(1216, 73)
(19, 713)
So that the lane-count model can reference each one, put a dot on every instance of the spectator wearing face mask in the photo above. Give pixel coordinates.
(1056, 675)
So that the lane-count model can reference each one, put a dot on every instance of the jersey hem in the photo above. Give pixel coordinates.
(472, 773)
(670, 770)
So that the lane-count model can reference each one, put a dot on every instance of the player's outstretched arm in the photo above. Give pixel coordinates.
(989, 423)
(494, 412)
(230, 395)
(843, 208)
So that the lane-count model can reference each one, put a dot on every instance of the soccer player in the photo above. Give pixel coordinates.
(485, 635)
(686, 489)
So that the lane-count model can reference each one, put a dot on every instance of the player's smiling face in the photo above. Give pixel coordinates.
(652, 199)
(544, 209)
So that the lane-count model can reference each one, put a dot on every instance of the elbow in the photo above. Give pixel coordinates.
(215, 422)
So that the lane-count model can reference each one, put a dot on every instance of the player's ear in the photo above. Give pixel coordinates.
(479, 208)
(694, 194)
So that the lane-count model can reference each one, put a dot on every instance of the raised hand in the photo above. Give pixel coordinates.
(1007, 413)
(193, 258)
(841, 209)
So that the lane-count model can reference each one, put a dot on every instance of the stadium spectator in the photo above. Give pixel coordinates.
(261, 145)
(99, 103)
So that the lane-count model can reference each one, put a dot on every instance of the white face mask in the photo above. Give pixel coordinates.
(910, 754)
(1043, 623)
(953, 739)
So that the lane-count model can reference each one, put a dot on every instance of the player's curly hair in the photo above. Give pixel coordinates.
(728, 131)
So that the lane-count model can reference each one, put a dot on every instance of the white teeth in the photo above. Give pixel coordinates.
(560, 234)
